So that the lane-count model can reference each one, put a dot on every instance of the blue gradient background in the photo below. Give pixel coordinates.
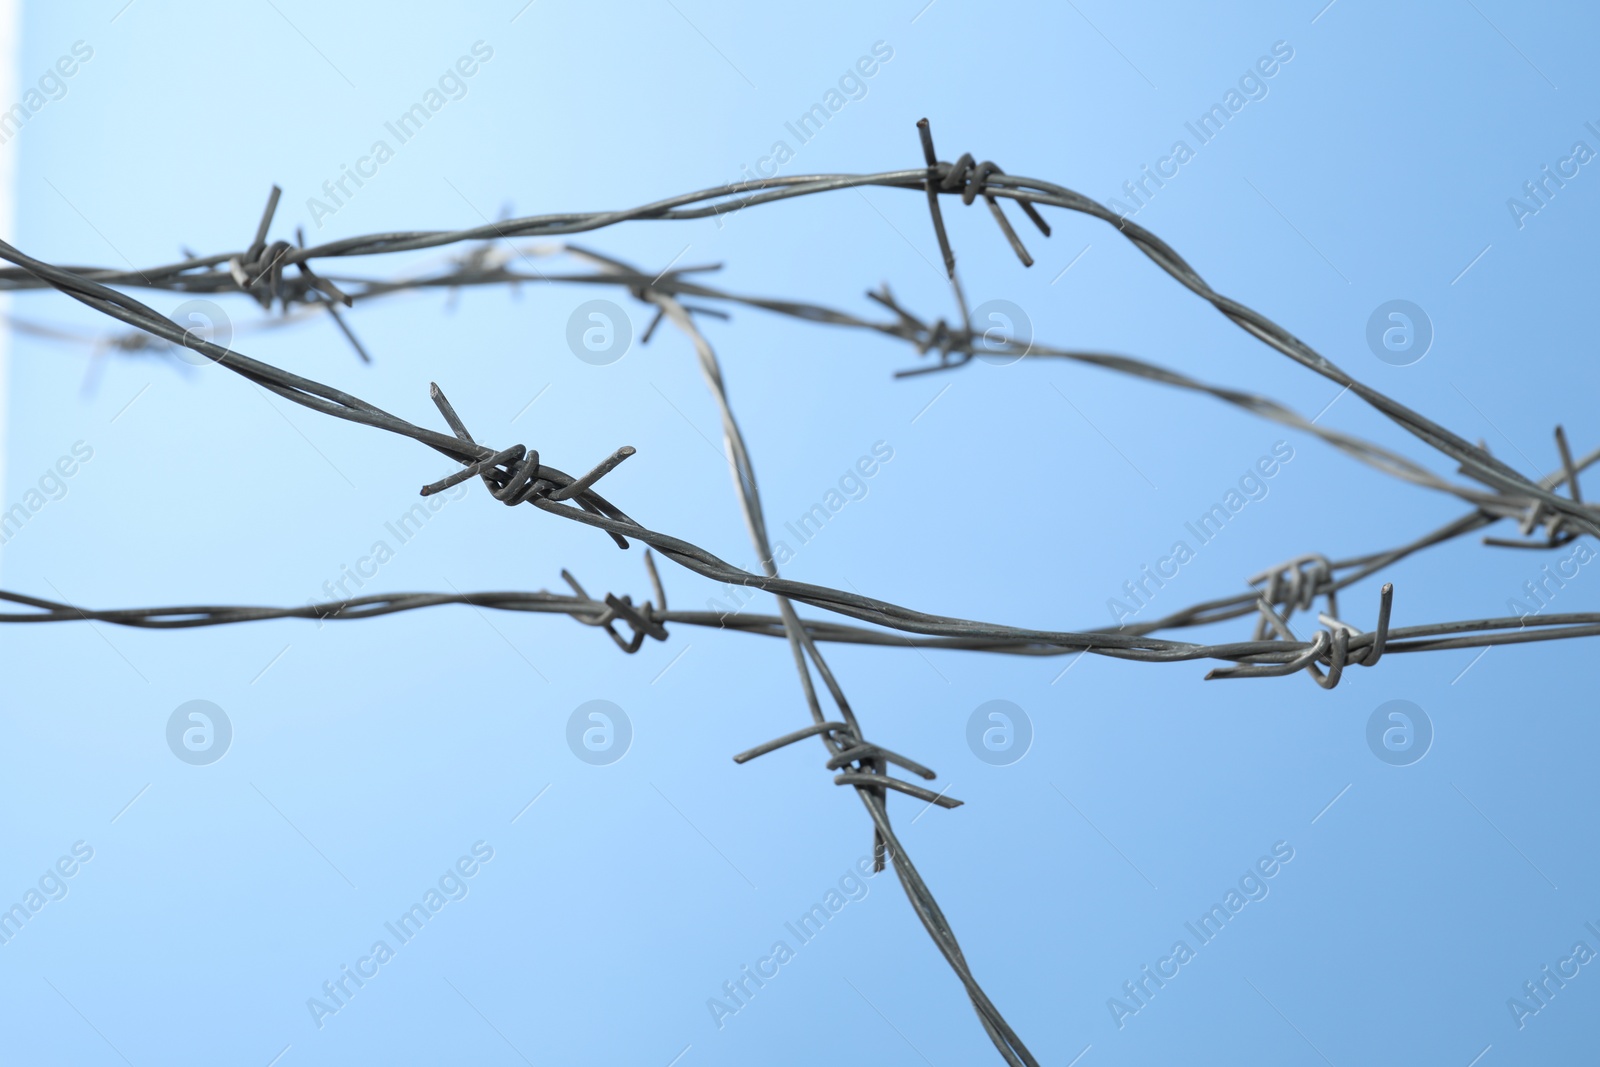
(368, 756)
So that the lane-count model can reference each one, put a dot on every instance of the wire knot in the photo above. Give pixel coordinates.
(971, 180)
(968, 177)
(515, 476)
(644, 619)
(1537, 513)
(955, 345)
(1295, 584)
(258, 270)
(1330, 646)
(863, 763)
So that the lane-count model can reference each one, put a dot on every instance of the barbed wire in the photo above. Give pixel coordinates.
(517, 475)
(955, 346)
(259, 271)
(1420, 638)
(1489, 505)
(864, 765)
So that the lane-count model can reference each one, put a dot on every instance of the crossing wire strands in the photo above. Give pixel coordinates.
(517, 475)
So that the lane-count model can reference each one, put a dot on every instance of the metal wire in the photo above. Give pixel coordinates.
(939, 177)
(517, 475)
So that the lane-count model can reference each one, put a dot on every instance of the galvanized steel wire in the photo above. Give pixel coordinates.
(518, 474)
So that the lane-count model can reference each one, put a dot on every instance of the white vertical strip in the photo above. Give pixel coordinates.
(10, 79)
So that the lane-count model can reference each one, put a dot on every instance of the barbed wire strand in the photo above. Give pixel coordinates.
(1477, 462)
(937, 336)
(342, 405)
(516, 475)
(596, 511)
(473, 269)
(846, 742)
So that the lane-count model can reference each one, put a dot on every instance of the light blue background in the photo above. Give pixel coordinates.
(368, 756)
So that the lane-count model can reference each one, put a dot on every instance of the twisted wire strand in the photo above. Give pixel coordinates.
(939, 336)
(865, 764)
(1427, 637)
(1476, 462)
(921, 335)
(596, 511)
(516, 475)
(936, 336)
